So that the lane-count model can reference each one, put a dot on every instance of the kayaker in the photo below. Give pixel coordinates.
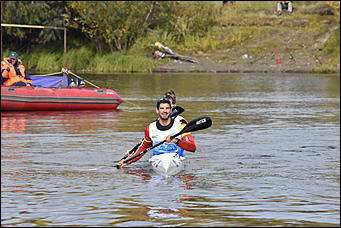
(170, 94)
(13, 72)
(162, 129)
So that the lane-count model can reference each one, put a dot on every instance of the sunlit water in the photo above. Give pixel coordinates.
(271, 157)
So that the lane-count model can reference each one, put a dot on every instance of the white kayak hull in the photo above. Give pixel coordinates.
(167, 164)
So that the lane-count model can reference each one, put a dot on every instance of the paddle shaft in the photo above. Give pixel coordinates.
(132, 150)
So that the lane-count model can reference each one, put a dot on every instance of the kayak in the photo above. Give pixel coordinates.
(167, 164)
(24, 98)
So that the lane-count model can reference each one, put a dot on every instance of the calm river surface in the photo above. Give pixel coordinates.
(271, 157)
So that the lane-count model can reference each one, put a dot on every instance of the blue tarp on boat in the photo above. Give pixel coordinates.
(49, 81)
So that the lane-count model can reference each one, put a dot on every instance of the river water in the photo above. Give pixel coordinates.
(271, 157)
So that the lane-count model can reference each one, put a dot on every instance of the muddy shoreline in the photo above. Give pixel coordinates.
(207, 65)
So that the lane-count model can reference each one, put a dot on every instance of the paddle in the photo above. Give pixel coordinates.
(176, 111)
(194, 125)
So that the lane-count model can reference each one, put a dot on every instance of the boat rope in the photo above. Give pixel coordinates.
(132, 103)
(66, 71)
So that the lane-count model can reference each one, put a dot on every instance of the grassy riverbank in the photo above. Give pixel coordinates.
(85, 59)
(308, 40)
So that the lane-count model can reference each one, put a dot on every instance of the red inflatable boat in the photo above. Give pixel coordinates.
(52, 98)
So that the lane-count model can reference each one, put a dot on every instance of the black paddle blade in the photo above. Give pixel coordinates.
(176, 111)
(197, 124)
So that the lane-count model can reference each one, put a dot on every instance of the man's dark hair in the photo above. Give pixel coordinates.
(163, 100)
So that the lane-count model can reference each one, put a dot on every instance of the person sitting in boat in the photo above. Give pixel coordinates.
(162, 129)
(13, 72)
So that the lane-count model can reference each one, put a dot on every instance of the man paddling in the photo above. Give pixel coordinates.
(176, 110)
(162, 129)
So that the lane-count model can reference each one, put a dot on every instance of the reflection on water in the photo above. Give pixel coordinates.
(147, 177)
(74, 121)
(271, 157)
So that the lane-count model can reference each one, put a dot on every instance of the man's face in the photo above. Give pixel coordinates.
(164, 111)
(13, 60)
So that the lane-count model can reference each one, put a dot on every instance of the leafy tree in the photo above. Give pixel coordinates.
(48, 13)
(110, 25)
(117, 23)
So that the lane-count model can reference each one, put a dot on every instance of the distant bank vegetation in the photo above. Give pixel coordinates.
(118, 36)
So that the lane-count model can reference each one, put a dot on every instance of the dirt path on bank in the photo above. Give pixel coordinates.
(301, 61)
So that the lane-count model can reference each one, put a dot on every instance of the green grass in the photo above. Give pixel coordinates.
(322, 69)
(118, 62)
(331, 50)
(86, 60)
(80, 59)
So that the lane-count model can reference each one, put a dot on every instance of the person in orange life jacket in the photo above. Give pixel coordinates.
(162, 129)
(13, 72)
